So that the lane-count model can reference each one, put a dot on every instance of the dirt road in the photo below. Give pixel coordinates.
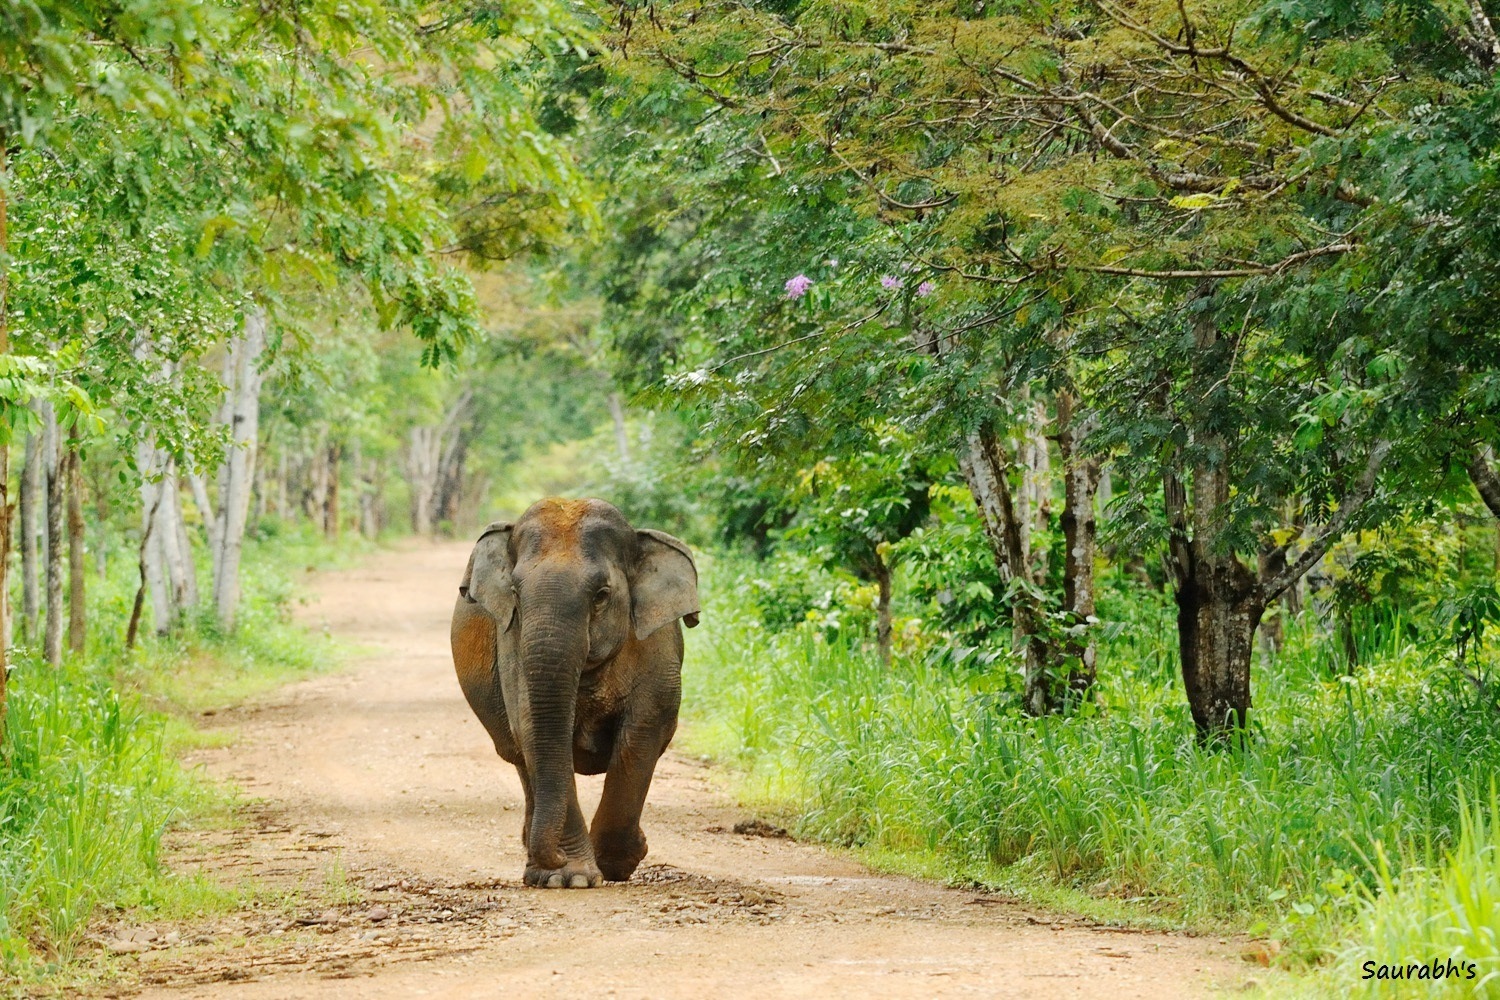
(389, 831)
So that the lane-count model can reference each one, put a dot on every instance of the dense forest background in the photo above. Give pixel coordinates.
(1086, 412)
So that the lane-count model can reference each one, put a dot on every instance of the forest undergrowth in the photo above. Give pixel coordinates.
(1357, 824)
(93, 778)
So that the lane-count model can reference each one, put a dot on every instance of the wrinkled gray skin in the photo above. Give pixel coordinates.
(567, 646)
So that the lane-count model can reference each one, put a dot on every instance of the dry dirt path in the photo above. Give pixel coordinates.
(386, 842)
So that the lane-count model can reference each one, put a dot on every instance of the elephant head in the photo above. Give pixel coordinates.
(569, 586)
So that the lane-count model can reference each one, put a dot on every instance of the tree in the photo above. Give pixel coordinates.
(859, 506)
(1080, 187)
(263, 153)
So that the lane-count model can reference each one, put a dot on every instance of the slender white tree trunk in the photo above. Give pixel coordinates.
(152, 502)
(429, 451)
(77, 575)
(421, 472)
(31, 495)
(176, 546)
(617, 414)
(237, 475)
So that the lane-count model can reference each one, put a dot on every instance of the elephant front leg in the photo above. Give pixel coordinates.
(619, 842)
(530, 807)
(573, 867)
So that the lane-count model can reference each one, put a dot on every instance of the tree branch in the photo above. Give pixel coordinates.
(1331, 531)
(1486, 481)
(1485, 31)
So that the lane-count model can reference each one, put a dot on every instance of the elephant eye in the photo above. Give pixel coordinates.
(601, 595)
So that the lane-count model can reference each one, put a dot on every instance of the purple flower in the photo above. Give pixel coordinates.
(798, 286)
(890, 282)
(926, 288)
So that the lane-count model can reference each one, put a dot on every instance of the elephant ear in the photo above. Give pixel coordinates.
(664, 585)
(489, 581)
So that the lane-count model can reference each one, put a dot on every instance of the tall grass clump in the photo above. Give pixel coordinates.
(1441, 914)
(87, 790)
(931, 758)
(90, 779)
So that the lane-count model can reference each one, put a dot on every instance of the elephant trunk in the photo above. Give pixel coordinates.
(553, 649)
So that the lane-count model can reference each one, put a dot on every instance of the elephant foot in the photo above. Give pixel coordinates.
(619, 854)
(573, 875)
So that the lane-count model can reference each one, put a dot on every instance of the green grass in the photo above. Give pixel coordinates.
(1117, 812)
(91, 779)
(1438, 913)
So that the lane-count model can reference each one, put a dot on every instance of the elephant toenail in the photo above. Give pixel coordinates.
(555, 881)
(578, 882)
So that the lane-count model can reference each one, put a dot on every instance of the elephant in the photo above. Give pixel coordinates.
(567, 646)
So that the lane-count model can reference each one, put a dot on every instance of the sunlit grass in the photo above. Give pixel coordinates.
(927, 760)
(91, 779)
(1439, 911)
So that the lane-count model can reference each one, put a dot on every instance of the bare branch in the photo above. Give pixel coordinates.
(1225, 272)
(1318, 547)
(1264, 86)
(798, 340)
(1485, 30)
(1486, 481)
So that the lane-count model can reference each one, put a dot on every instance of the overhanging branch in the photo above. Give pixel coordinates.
(1348, 508)
(1486, 481)
(1253, 271)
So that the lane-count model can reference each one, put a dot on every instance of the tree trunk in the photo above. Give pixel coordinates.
(153, 562)
(1486, 481)
(432, 452)
(243, 405)
(31, 503)
(77, 573)
(281, 478)
(378, 514)
(421, 474)
(184, 571)
(148, 518)
(1218, 609)
(365, 490)
(4, 449)
(52, 462)
(315, 503)
(883, 609)
(1220, 601)
(259, 491)
(168, 560)
(448, 506)
(1034, 500)
(1080, 544)
(985, 470)
(983, 474)
(210, 519)
(1271, 563)
(617, 414)
(331, 504)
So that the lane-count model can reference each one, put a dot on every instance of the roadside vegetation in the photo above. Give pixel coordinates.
(1117, 811)
(92, 750)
